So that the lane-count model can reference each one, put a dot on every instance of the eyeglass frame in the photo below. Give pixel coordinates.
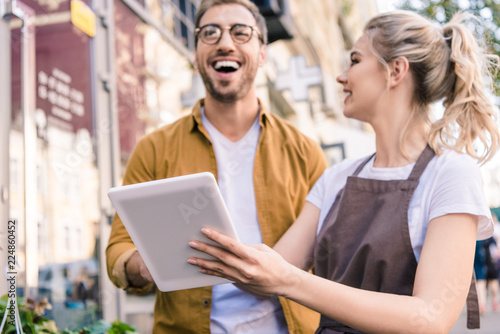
(253, 28)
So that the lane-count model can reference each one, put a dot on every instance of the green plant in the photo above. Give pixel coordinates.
(33, 321)
(31, 316)
(101, 327)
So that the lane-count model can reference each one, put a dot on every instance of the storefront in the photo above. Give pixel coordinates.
(53, 177)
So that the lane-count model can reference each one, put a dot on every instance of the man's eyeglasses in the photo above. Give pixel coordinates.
(240, 33)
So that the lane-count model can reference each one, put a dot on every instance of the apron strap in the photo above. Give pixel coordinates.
(421, 163)
(473, 318)
(363, 164)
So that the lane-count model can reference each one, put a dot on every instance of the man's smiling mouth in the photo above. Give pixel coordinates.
(226, 66)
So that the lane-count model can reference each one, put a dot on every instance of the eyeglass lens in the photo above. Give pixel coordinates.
(211, 34)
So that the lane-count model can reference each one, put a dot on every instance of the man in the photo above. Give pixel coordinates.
(264, 167)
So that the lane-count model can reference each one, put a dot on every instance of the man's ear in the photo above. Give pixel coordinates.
(399, 68)
(195, 62)
(262, 55)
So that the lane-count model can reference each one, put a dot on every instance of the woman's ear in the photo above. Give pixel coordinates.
(399, 68)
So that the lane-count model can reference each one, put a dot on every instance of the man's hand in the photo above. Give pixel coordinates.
(137, 273)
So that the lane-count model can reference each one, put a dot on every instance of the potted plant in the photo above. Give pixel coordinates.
(31, 314)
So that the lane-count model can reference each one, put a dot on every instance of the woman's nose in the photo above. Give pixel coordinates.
(342, 78)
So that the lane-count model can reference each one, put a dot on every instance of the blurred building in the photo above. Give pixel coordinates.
(87, 79)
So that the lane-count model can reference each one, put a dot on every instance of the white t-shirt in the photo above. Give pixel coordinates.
(451, 183)
(235, 311)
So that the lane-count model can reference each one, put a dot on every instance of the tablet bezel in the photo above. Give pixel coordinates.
(188, 200)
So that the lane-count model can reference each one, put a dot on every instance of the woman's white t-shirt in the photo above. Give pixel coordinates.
(451, 183)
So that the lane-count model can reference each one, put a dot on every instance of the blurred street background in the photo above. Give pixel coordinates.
(490, 324)
(81, 81)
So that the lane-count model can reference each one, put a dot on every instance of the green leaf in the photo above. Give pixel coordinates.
(36, 324)
(119, 327)
(100, 327)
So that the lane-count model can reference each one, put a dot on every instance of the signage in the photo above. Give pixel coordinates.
(63, 71)
(83, 17)
(64, 100)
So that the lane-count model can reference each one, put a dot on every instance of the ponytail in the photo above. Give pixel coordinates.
(469, 113)
(446, 63)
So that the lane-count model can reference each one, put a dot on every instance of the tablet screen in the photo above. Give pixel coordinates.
(162, 216)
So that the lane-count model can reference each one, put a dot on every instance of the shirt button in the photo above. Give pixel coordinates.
(206, 303)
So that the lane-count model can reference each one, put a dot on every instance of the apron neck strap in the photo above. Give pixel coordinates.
(418, 169)
(421, 163)
(363, 164)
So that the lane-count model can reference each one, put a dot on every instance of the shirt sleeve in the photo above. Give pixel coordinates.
(317, 163)
(119, 277)
(459, 189)
(317, 193)
(331, 181)
(140, 168)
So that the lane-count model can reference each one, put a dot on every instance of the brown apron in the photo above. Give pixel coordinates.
(365, 240)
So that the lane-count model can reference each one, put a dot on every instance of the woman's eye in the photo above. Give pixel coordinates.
(354, 61)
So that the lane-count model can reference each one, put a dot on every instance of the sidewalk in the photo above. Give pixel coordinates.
(490, 324)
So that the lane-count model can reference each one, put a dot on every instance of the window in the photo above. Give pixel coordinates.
(67, 239)
(40, 179)
(15, 174)
(184, 21)
(175, 17)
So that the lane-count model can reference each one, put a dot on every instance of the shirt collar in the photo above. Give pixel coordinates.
(264, 117)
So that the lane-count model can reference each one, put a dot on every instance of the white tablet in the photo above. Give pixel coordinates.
(162, 216)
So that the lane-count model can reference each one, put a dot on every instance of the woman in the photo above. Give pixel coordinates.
(391, 236)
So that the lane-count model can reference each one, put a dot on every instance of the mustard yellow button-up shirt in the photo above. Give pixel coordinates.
(287, 164)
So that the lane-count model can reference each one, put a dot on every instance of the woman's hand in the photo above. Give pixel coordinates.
(256, 269)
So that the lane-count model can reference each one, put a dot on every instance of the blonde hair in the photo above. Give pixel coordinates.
(446, 63)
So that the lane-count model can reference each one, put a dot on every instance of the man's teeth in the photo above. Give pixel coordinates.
(226, 63)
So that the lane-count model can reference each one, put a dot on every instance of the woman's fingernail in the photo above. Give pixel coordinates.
(203, 271)
(192, 261)
(193, 244)
(206, 231)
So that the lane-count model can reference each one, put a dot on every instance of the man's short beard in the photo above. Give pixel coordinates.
(232, 96)
(217, 95)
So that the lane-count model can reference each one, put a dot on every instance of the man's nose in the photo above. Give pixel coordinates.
(226, 41)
